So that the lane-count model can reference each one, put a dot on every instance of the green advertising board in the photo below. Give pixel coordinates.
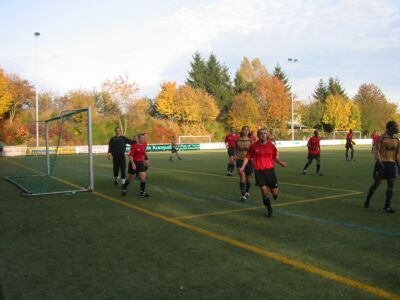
(167, 147)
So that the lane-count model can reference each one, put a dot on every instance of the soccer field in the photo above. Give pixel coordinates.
(193, 239)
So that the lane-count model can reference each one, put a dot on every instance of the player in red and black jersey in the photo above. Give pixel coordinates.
(230, 142)
(349, 145)
(264, 155)
(137, 166)
(314, 152)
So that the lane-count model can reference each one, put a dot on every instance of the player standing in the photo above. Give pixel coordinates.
(174, 149)
(314, 152)
(387, 158)
(264, 155)
(349, 145)
(116, 151)
(271, 136)
(137, 165)
(242, 146)
(375, 139)
(230, 142)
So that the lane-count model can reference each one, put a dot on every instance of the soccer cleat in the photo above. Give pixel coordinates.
(319, 174)
(389, 210)
(268, 213)
(304, 172)
(227, 173)
(366, 203)
(247, 195)
(180, 158)
(144, 194)
(243, 199)
(123, 192)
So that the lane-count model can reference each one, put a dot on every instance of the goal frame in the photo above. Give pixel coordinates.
(346, 131)
(90, 188)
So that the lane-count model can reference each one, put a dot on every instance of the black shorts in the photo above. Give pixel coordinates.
(349, 145)
(266, 177)
(248, 170)
(386, 170)
(317, 157)
(140, 167)
(231, 152)
(174, 150)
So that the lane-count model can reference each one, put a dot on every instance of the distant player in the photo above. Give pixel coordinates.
(264, 155)
(137, 165)
(314, 152)
(1, 148)
(116, 151)
(230, 143)
(375, 138)
(174, 149)
(387, 159)
(349, 145)
(271, 136)
(242, 146)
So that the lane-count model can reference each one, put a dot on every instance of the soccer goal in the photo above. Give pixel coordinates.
(56, 167)
(341, 134)
(182, 139)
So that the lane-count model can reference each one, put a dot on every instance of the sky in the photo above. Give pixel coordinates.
(82, 43)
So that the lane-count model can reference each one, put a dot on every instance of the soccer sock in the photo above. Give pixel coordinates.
(306, 166)
(231, 167)
(242, 188)
(228, 168)
(267, 203)
(123, 180)
(318, 168)
(125, 185)
(248, 185)
(142, 186)
(352, 154)
(347, 154)
(370, 193)
(275, 196)
(388, 200)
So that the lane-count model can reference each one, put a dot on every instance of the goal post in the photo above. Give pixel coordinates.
(182, 139)
(56, 168)
(341, 134)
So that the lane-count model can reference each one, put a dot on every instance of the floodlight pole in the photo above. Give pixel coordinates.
(292, 60)
(37, 34)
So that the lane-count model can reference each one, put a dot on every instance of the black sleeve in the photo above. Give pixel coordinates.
(128, 141)
(110, 146)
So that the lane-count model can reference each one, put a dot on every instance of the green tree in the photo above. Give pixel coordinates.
(335, 87)
(281, 75)
(312, 113)
(197, 76)
(321, 92)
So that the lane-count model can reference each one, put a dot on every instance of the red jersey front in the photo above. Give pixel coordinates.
(138, 151)
(231, 139)
(263, 155)
(375, 139)
(349, 137)
(313, 145)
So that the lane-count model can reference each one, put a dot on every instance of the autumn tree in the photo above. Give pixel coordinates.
(5, 94)
(312, 113)
(123, 92)
(165, 100)
(244, 111)
(275, 103)
(21, 91)
(375, 108)
(248, 74)
(337, 112)
(104, 104)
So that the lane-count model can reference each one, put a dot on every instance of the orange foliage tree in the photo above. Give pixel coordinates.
(244, 111)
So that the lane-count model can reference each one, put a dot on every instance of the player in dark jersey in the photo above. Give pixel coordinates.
(264, 155)
(349, 145)
(314, 152)
(230, 142)
(387, 159)
(242, 146)
(137, 165)
(116, 151)
(174, 149)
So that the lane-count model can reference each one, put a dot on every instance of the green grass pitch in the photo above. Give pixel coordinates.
(193, 239)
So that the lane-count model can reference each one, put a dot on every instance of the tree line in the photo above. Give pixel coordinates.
(206, 104)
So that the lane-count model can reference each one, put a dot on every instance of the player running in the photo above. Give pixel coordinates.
(349, 145)
(174, 149)
(314, 152)
(230, 142)
(387, 158)
(137, 166)
(116, 151)
(264, 155)
(242, 145)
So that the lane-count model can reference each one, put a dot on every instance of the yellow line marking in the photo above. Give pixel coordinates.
(254, 249)
(224, 212)
(282, 182)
